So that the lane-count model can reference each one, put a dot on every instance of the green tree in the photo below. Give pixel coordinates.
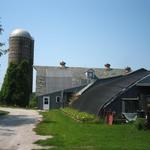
(9, 85)
(16, 87)
(33, 101)
(2, 51)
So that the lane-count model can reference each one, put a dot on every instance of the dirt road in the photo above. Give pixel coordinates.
(16, 129)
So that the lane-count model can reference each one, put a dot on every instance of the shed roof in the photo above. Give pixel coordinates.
(104, 91)
(145, 81)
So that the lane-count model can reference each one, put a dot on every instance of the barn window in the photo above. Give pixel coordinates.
(45, 100)
(130, 105)
(58, 99)
(90, 73)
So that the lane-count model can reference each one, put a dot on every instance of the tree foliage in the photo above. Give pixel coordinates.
(16, 87)
(2, 51)
(33, 101)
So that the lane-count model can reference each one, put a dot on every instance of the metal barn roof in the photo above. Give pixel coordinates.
(51, 79)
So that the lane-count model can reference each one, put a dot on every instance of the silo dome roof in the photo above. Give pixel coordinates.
(20, 33)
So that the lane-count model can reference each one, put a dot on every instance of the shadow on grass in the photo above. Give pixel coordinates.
(3, 113)
(48, 121)
(54, 142)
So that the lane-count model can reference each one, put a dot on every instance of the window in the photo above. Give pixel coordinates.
(90, 74)
(45, 100)
(58, 99)
(131, 106)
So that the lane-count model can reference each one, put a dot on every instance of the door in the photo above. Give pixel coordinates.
(148, 103)
(46, 102)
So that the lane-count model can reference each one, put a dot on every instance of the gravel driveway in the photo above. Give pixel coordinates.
(16, 129)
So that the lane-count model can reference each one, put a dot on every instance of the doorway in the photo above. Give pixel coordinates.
(46, 102)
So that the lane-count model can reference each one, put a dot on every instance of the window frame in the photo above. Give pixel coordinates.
(56, 99)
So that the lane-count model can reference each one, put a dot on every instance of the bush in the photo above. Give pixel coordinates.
(119, 119)
(79, 116)
(140, 123)
(33, 101)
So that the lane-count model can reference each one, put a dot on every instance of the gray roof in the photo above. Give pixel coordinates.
(77, 72)
(106, 90)
(145, 81)
(53, 78)
(20, 33)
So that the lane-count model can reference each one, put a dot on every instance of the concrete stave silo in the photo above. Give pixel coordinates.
(21, 47)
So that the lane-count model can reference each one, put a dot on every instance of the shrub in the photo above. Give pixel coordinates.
(140, 123)
(119, 119)
(79, 116)
(33, 101)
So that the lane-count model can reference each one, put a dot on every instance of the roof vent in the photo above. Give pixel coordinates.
(107, 66)
(63, 64)
(127, 70)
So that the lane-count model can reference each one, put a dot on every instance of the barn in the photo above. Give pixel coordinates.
(125, 94)
(56, 84)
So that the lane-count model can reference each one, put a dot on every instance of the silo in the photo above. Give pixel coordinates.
(21, 47)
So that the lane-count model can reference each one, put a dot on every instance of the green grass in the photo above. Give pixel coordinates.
(71, 135)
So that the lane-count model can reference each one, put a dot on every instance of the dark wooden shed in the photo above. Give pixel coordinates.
(122, 94)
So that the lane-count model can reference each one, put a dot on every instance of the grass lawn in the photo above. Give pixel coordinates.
(69, 134)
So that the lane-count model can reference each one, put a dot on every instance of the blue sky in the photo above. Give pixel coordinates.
(86, 33)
